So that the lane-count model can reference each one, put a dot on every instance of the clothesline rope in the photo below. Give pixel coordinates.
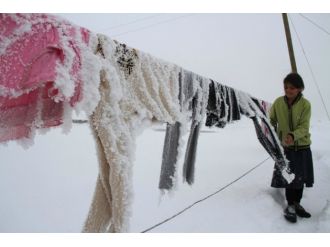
(151, 25)
(205, 198)
(82, 121)
(128, 23)
(315, 24)
(79, 121)
(310, 68)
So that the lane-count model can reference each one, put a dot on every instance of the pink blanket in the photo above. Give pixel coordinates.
(39, 54)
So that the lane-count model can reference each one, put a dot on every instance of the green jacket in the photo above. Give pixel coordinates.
(294, 120)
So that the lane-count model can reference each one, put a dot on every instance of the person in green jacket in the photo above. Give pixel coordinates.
(290, 115)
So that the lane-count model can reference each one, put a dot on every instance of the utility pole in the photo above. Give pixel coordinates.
(289, 42)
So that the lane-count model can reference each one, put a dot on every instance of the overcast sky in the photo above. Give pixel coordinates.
(245, 51)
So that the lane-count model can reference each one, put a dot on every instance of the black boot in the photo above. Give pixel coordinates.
(290, 214)
(301, 212)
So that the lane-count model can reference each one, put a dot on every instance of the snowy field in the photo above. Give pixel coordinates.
(48, 187)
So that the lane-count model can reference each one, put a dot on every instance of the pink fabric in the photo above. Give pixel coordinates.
(28, 69)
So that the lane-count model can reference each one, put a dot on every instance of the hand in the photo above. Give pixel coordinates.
(288, 140)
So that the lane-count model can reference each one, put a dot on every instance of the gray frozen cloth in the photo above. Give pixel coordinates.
(199, 103)
(173, 134)
(170, 154)
(193, 96)
(190, 156)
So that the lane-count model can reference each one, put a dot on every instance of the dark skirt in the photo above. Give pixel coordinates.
(301, 165)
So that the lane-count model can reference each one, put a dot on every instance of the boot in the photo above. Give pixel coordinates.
(290, 214)
(301, 212)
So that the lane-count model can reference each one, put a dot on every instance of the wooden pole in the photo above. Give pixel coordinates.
(289, 42)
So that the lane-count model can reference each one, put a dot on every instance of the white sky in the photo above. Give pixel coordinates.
(168, 6)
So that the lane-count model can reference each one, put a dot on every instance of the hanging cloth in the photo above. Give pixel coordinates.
(193, 94)
(199, 103)
(41, 59)
(226, 104)
(252, 108)
(135, 88)
(222, 107)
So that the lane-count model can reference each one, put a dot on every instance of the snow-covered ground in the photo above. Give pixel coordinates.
(48, 187)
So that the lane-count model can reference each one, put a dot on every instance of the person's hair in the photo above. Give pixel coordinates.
(295, 80)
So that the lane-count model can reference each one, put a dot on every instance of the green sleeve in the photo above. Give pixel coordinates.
(304, 123)
(272, 116)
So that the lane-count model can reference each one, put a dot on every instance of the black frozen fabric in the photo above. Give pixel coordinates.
(191, 151)
(301, 164)
(258, 104)
(211, 109)
(269, 142)
(226, 105)
(236, 115)
(223, 106)
(273, 150)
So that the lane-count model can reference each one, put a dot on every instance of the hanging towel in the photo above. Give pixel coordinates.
(199, 104)
(222, 106)
(170, 156)
(226, 104)
(193, 96)
(252, 108)
(135, 88)
(41, 58)
(174, 132)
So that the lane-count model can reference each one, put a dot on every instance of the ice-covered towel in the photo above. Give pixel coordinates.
(136, 89)
(193, 97)
(40, 72)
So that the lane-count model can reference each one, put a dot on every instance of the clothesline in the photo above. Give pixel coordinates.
(205, 198)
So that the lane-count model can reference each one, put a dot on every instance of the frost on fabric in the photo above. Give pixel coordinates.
(199, 105)
(226, 105)
(9, 34)
(193, 95)
(136, 89)
(48, 68)
(251, 110)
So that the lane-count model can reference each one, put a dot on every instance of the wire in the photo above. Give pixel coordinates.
(157, 23)
(203, 199)
(315, 24)
(79, 121)
(310, 68)
(128, 23)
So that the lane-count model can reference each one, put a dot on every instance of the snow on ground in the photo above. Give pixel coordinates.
(48, 187)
